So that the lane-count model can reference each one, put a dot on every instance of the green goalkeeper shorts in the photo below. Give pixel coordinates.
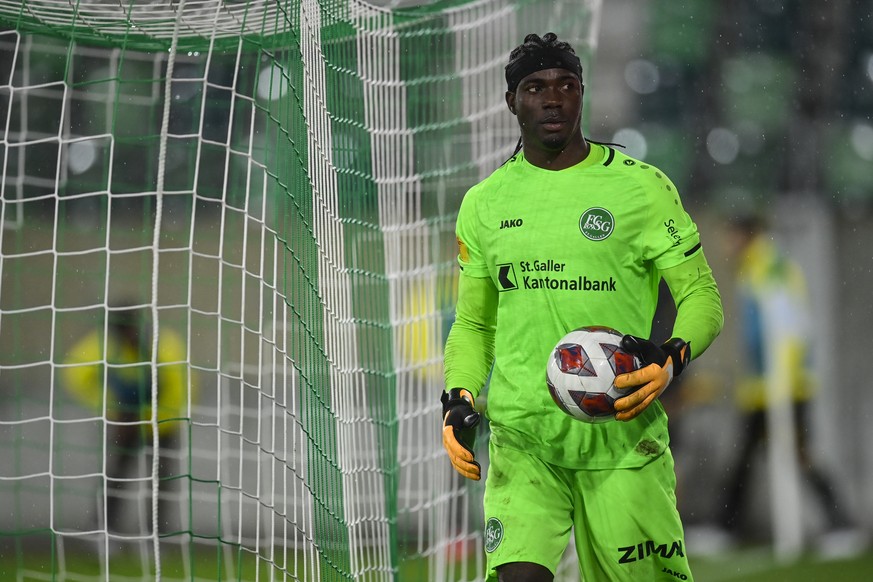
(625, 521)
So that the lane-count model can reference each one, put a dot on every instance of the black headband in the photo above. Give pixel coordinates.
(538, 60)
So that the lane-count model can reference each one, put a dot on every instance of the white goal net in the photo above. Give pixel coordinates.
(262, 195)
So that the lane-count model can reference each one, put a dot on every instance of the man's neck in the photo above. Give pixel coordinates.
(572, 154)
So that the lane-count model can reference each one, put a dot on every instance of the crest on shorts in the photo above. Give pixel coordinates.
(493, 534)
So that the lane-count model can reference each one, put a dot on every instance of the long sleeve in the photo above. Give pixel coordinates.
(699, 313)
(469, 352)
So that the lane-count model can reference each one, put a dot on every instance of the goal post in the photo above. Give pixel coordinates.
(275, 184)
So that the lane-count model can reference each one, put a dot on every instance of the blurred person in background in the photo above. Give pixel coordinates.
(114, 372)
(775, 329)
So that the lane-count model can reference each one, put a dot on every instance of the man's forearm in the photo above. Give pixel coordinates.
(699, 313)
(469, 351)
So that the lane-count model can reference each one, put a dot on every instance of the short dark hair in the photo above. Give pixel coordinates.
(537, 53)
(127, 315)
(533, 42)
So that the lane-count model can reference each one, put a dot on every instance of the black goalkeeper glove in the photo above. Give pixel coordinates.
(459, 431)
(660, 365)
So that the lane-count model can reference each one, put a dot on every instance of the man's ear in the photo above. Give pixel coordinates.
(510, 101)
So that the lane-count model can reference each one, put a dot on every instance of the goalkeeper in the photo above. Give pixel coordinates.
(570, 233)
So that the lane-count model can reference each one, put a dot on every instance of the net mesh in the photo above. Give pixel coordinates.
(274, 185)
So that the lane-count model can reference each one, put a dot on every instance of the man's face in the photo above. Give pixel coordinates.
(548, 105)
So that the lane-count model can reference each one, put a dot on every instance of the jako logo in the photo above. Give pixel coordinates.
(596, 223)
(511, 223)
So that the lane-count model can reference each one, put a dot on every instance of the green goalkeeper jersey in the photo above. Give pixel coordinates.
(565, 249)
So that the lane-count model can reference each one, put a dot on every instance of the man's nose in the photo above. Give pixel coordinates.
(551, 98)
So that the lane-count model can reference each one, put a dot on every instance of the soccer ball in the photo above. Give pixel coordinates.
(581, 370)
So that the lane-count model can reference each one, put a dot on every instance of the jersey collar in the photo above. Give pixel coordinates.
(595, 156)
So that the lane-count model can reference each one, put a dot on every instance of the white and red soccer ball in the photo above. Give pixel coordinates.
(581, 370)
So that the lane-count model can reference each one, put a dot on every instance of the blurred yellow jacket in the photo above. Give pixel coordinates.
(89, 374)
(775, 324)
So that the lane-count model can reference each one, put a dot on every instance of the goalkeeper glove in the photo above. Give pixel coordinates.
(459, 431)
(661, 364)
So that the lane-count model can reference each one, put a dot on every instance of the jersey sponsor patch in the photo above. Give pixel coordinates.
(462, 250)
(506, 277)
(596, 223)
(672, 232)
(580, 283)
(493, 534)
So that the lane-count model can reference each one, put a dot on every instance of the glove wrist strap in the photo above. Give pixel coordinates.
(679, 352)
(454, 397)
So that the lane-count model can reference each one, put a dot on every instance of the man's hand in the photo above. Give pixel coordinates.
(459, 431)
(660, 365)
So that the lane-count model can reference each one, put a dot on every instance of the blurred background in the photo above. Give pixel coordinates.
(758, 107)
